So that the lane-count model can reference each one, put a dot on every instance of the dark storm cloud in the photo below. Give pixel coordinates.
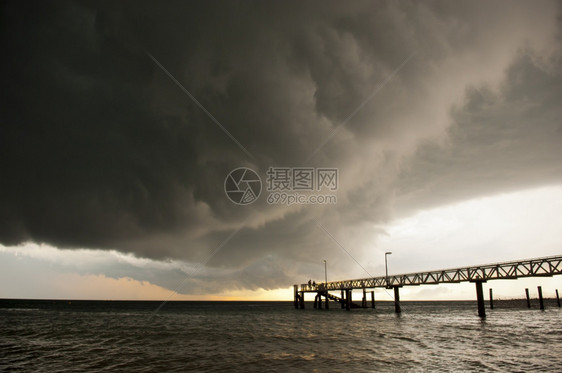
(100, 149)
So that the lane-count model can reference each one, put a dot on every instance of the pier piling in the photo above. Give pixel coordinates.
(364, 300)
(528, 298)
(348, 299)
(373, 299)
(557, 298)
(397, 307)
(480, 298)
(541, 301)
(491, 300)
(342, 300)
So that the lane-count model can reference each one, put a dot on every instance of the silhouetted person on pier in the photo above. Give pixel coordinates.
(309, 283)
(314, 284)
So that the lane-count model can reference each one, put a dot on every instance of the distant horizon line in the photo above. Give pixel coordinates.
(249, 301)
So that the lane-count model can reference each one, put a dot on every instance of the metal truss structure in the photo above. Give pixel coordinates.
(548, 266)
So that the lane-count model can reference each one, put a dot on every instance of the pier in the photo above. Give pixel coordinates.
(538, 267)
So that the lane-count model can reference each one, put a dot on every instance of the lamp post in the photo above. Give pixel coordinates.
(326, 273)
(386, 264)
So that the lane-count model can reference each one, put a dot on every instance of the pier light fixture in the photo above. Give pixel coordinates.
(386, 265)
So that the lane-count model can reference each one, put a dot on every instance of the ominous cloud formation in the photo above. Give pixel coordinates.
(100, 149)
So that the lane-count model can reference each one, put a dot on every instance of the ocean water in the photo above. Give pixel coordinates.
(100, 336)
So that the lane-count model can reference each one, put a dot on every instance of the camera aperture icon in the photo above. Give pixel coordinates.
(242, 186)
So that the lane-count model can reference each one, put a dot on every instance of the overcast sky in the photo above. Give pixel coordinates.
(121, 120)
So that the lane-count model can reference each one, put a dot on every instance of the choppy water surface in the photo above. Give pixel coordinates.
(269, 336)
